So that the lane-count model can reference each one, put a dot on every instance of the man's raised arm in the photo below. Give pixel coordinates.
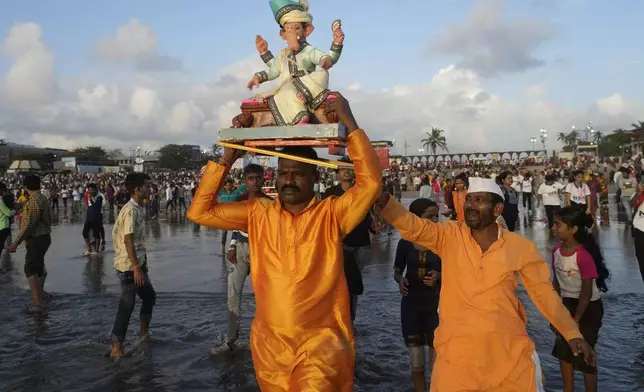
(204, 209)
(536, 278)
(352, 207)
(411, 227)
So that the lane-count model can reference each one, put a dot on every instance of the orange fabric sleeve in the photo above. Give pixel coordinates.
(419, 231)
(535, 275)
(204, 209)
(352, 207)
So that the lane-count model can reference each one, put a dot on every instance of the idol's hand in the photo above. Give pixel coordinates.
(254, 82)
(261, 44)
(341, 107)
(326, 63)
(338, 36)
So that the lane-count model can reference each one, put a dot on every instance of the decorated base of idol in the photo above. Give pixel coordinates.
(294, 113)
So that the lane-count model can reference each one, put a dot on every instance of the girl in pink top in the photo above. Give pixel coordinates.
(579, 276)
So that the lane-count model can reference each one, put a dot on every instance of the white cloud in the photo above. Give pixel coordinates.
(139, 43)
(99, 100)
(535, 91)
(30, 80)
(153, 110)
(613, 105)
(144, 103)
(490, 44)
(185, 117)
(131, 40)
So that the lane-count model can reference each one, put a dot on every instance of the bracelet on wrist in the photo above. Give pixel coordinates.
(383, 203)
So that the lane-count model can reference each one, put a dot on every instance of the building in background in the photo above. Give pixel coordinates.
(10, 152)
(75, 165)
(141, 161)
(193, 152)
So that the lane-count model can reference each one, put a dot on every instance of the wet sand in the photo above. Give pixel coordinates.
(64, 351)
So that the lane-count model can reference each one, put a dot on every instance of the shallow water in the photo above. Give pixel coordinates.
(64, 351)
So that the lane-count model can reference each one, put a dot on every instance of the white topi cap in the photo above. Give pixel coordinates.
(478, 184)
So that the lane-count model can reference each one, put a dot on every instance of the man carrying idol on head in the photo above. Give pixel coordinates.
(302, 85)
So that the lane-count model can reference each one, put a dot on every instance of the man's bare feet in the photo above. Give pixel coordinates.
(117, 351)
(46, 298)
(37, 310)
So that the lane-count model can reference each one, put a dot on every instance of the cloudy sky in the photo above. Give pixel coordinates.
(491, 73)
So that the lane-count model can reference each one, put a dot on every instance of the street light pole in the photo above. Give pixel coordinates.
(406, 145)
(590, 132)
(534, 143)
(544, 137)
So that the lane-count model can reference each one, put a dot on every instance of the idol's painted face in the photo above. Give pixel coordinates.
(295, 34)
(295, 181)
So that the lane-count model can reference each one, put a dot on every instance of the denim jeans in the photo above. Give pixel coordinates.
(129, 291)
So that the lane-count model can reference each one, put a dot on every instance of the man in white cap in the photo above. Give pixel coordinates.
(481, 342)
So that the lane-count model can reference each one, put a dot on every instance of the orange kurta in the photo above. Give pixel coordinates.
(301, 337)
(458, 198)
(481, 341)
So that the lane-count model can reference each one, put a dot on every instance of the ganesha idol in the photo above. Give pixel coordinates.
(300, 69)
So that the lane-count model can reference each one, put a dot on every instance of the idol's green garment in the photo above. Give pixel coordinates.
(303, 85)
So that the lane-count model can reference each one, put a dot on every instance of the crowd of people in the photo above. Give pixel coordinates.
(305, 250)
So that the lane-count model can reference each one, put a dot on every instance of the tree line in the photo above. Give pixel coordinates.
(613, 144)
(171, 156)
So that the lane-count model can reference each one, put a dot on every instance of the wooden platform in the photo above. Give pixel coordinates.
(333, 164)
(331, 136)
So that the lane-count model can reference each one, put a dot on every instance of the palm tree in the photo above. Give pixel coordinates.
(571, 138)
(637, 125)
(597, 137)
(435, 140)
(561, 137)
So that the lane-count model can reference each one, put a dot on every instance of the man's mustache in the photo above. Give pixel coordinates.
(295, 188)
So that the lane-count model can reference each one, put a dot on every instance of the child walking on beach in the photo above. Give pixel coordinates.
(420, 289)
(579, 276)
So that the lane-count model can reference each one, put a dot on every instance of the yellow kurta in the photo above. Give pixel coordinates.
(301, 337)
(481, 341)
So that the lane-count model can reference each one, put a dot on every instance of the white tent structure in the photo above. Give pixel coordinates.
(24, 166)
